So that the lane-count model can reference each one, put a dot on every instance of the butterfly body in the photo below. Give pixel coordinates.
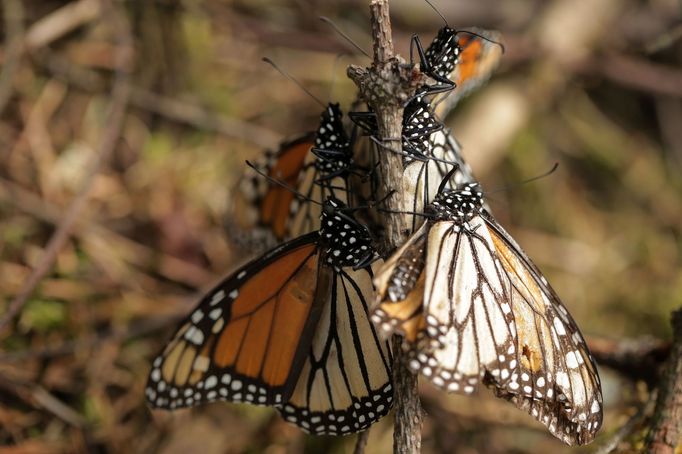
(443, 53)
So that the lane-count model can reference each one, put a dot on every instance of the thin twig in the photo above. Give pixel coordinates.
(14, 26)
(60, 22)
(635, 73)
(135, 329)
(38, 396)
(665, 436)
(627, 428)
(386, 86)
(636, 358)
(361, 442)
(133, 252)
(119, 101)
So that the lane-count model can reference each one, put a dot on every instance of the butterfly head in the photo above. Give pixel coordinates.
(459, 204)
(347, 242)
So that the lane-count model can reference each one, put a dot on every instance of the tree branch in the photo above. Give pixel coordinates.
(665, 436)
(386, 87)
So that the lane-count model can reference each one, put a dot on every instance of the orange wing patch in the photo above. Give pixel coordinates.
(260, 211)
(275, 208)
(478, 59)
(245, 340)
(260, 341)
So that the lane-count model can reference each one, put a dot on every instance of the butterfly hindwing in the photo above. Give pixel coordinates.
(345, 385)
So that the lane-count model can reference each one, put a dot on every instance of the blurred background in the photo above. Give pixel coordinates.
(594, 85)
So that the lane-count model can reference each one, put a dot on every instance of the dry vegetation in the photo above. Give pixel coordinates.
(595, 85)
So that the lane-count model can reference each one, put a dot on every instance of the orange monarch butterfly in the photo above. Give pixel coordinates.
(461, 60)
(289, 330)
(430, 151)
(316, 164)
(473, 308)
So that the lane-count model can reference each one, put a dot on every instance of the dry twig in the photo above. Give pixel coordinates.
(60, 22)
(119, 96)
(361, 442)
(636, 358)
(627, 428)
(635, 73)
(665, 436)
(386, 86)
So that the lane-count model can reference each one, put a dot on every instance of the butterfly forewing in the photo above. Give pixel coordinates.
(246, 339)
(260, 210)
(552, 350)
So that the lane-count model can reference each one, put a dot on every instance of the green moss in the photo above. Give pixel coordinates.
(42, 315)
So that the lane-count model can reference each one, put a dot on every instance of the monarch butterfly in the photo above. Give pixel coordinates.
(290, 330)
(465, 57)
(316, 164)
(473, 308)
(430, 152)
(460, 59)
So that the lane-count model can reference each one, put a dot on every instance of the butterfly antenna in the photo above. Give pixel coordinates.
(484, 38)
(332, 82)
(293, 79)
(413, 213)
(529, 180)
(447, 177)
(344, 35)
(282, 184)
(428, 2)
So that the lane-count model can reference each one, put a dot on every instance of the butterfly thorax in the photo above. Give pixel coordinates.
(332, 146)
(443, 53)
(419, 123)
(346, 242)
(459, 205)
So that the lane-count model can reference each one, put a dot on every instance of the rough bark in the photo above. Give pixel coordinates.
(665, 435)
(386, 86)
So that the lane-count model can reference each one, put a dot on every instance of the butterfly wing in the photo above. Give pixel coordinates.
(400, 288)
(261, 209)
(248, 338)
(565, 362)
(266, 213)
(345, 385)
(491, 316)
(421, 179)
